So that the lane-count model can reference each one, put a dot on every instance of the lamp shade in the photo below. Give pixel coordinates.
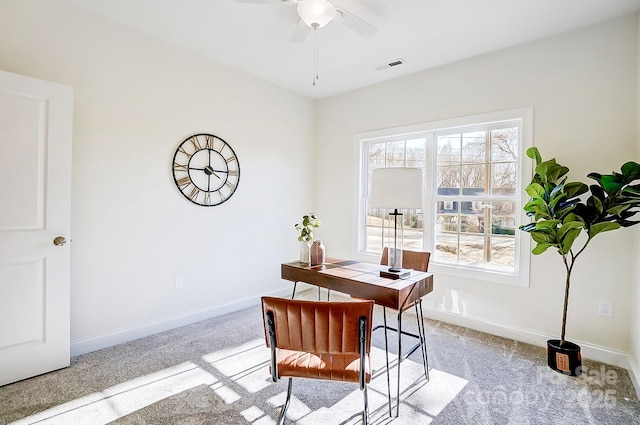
(316, 12)
(396, 188)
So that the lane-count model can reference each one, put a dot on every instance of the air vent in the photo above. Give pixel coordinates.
(391, 64)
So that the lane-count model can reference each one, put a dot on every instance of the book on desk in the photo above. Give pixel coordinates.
(396, 275)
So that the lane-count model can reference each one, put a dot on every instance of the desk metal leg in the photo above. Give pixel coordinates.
(293, 294)
(386, 349)
(422, 343)
(320, 295)
(423, 339)
(386, 352)
(399, 361)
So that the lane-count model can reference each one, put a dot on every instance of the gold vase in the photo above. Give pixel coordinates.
(317, 253)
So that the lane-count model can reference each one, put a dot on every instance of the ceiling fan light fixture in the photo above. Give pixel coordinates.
(316, 13)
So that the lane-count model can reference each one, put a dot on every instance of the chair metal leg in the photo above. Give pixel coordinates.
(283, 412)
(365, 412)
(293, 295)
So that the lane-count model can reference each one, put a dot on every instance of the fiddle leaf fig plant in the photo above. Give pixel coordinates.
(560, 215)
(309, 223)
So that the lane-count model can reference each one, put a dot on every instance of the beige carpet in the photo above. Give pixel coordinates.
(216, 372)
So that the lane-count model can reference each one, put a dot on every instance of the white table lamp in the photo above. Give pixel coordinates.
(397, 189)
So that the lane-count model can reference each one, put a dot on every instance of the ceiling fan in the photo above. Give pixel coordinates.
(316, 14)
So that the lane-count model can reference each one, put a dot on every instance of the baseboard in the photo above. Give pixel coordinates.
(634, 374)
(590, 351)
(109, 340)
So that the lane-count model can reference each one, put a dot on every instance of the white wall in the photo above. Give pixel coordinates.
(634, 350)
(582, 86)
(136, 99)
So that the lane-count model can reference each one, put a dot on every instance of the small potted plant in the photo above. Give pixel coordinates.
(306, 227)
(560, 217)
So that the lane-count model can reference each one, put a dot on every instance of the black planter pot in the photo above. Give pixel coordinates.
(564, 358)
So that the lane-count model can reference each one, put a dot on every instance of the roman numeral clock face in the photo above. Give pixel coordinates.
(206, 170)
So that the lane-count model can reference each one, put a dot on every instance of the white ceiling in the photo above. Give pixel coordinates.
(256, 38)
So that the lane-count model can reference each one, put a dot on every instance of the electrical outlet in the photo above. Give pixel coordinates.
(178, 283)
(605, 308)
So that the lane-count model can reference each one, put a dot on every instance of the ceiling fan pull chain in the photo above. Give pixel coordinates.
(315, 53)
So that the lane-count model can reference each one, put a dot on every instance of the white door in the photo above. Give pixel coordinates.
(35, 206)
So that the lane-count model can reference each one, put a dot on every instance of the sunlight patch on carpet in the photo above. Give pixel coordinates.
(225, 393)
(255, 415)
(246, 364)
(123, 399)
(421, 401)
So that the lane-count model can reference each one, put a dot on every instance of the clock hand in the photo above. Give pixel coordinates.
(208, 170)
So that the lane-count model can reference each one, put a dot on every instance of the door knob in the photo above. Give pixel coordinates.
(59, 241)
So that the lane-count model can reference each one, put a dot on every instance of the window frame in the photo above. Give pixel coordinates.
(429, 130)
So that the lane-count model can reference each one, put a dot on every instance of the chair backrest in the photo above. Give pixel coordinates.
(416, 260)
(318, 326)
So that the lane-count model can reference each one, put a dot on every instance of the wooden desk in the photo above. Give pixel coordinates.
(362, 280)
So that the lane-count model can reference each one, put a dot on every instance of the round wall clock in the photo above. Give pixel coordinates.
(206, 170)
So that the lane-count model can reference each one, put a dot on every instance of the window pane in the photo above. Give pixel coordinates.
(375, 159)
(446, 248)
(503, 179)
(473, 180)
(374, 230)
(471, 250)
(376, 155)
(449, 149)
(447, 216)
(412, 230)
(503, 219)
(471, 223)
(504, 144)
(503, 254)
(395, 154)
(374, 239)
(474, 147)
(413, 219)
(416, 153)
(449, 180)
(446, 232)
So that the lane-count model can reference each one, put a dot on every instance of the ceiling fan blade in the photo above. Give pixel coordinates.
(356, 23)
(300, 33)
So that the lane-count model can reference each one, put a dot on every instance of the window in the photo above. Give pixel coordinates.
(398, 152)
(474, 168)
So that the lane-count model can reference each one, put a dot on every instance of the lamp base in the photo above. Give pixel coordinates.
(395, 274)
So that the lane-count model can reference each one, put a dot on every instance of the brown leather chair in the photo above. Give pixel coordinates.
(319, 340)
(416, 260)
